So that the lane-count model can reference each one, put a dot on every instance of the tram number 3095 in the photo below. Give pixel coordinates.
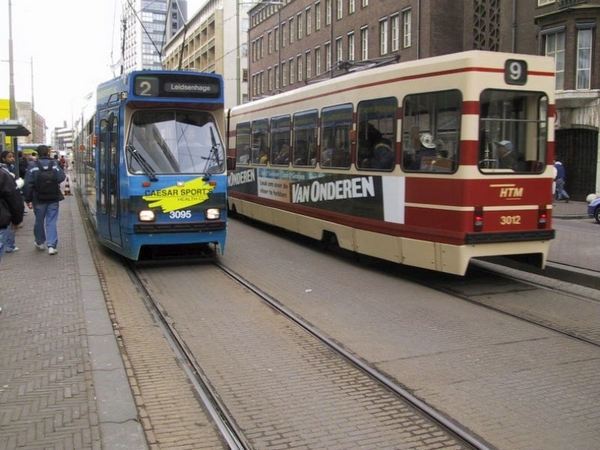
(180, 215)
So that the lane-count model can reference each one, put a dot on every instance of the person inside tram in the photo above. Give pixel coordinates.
(375, 150)
(283, 156)
(427, 149)
(507, 156)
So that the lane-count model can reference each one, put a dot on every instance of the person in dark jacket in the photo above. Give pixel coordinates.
(7, 163)
(11, 207)
(45, 229)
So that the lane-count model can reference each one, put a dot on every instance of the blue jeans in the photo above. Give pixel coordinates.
(2, 237)
(44, 230)
(9, 239)
(561, 194)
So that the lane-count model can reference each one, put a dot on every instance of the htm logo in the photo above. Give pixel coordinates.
(509, 191)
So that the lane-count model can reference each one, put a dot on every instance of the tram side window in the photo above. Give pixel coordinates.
(114, 167)
(377, 134)
(431, 131)
(102, 156)
(242, 143)
(280, 140)
(305, 138)
(336, 126)
(513, 131)
(260, 143)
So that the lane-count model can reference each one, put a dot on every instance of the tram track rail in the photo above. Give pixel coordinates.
(529, 284)
(207, 395)
(218, 411)
(172, 271)
(460, 432)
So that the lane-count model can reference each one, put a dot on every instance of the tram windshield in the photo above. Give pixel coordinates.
(513, 131)
(174, 142)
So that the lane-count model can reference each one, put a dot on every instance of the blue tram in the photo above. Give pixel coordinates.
(151, 167)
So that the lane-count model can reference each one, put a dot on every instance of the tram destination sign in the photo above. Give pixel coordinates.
(176, 86)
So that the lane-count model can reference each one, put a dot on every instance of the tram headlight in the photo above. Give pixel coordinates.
(212, 213)
(146, 215)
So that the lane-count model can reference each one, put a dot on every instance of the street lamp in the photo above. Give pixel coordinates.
(11, 79)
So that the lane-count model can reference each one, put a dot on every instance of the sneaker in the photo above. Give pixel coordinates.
(52, 251)
(15, 249)
(41, 247)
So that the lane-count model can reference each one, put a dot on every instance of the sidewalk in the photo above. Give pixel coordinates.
(63, 384)
(571, 210)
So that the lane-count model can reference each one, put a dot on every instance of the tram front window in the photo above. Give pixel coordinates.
(175, 141)
(513, 132)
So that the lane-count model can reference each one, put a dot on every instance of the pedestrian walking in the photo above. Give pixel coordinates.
(7, 164)
(43, 194)
(11, 207)
(560, 180)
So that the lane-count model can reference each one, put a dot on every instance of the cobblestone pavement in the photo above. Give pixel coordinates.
(63, 383)
(62, 380)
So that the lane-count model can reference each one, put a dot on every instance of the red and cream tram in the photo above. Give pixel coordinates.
(428, 163)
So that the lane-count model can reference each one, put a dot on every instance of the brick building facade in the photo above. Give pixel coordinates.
(294, 42)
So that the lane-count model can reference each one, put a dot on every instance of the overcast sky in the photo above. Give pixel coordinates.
(73, 44)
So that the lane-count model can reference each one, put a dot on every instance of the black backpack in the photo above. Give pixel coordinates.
(47, 187)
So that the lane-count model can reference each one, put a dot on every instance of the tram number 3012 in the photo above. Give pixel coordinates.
(180, 215)
(510, 220)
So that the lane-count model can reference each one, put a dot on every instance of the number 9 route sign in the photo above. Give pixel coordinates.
(515, 72)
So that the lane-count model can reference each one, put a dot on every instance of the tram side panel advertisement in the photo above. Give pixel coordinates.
(365, 196)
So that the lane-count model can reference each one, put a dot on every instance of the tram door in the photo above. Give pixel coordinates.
(108, 190)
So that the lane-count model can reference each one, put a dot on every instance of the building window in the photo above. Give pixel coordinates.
(395, 33)
(364, 3)
(283, 35)
(486, 24)
(284, 74)
(351, 6)
(277, 77)
(308, 21)
(340, 9)
(292, 31)
(308, 65)
(270, 41)
(584, 58)
(299, 25)
(299, 68)
(277, 39)
(270, 78)
(383, 37)
(292, 71)
(351, 55)
(328, 12)
(318, 16)
(406, 28)
(555, 47)
(339, 51)
(317, 61)
(364, 43)
(328, 56)
(545, 2)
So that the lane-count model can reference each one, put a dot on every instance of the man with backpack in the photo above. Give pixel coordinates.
(42, 194)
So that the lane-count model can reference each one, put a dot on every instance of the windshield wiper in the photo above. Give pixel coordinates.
(146, 167)
(214, 152)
